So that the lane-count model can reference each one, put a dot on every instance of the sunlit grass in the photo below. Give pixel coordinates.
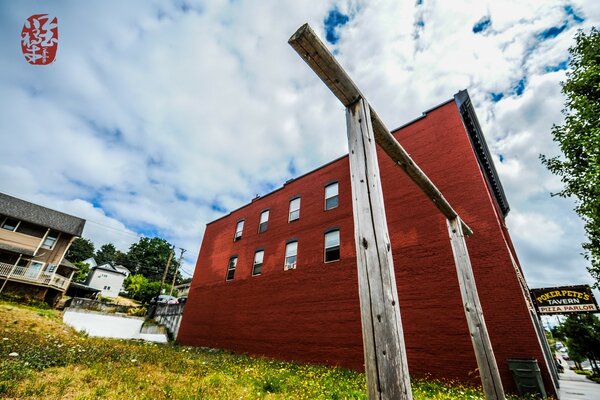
(55, 362)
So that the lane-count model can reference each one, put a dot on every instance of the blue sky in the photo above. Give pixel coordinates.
(160, 116)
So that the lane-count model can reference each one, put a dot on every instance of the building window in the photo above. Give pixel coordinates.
(10, 224)
(231, 268)
(264, 221)
(332, 245)
(238, 230)
(50, 240)
(258, 262)
(291, 254)
(34, 269)
(294, 209)
(331, 196)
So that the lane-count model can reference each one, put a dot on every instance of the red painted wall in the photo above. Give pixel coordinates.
(311, 314)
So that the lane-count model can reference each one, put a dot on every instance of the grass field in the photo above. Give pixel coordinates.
(55, 362)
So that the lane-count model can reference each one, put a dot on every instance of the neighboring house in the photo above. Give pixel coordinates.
(33, 244)
(183, 290)
(124, 270)
(277, 277)
(107, 278)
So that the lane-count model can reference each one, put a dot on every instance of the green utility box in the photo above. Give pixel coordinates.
(527, 376)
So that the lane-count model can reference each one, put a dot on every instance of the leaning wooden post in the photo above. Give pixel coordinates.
(386, 366)
(488, 369)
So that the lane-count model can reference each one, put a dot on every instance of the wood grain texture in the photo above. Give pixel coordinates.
(486, 361)
(383, 338)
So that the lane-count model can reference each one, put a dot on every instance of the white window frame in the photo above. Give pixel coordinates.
(294, 213)
(289, 247)
(263, 222)
(332, 196)
(239, 230)
(256, 263)
(48, 236)
(231, 267)
(339, 240)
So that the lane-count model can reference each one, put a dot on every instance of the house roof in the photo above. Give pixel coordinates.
(110, 268)
(36, 214)
(68, 264)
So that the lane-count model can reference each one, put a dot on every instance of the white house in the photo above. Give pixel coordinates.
(108, 278)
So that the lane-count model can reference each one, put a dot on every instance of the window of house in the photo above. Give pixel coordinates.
(294, 209)
(231, 268)
(291, 254)
(331, 196)
(258, 262)
(238, 230)
(34, 269)
(332, 245)
(264, 221)
(50, 240)
(10, 224)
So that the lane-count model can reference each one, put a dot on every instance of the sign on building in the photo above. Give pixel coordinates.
(564, 300)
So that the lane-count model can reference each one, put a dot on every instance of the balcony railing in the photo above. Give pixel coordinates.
(32, 275)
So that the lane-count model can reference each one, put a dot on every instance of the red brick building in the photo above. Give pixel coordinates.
(283, 283)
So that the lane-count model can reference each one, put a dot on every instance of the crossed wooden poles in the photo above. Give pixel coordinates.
(386, 366)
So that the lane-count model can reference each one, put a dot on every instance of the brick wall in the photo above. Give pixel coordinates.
(311, 314)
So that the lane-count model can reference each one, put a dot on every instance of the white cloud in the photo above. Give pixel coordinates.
(156, 115)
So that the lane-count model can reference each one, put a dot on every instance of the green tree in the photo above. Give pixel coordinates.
(140, 288)
(81, 249)
(108, 253)
(82, 272)
(579, 141)
(583, 337)
(149, 256)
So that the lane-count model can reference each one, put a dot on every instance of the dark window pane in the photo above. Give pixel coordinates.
(10, 224)
(332, 254)
(262, 227)
(257, 269)
(331, 202)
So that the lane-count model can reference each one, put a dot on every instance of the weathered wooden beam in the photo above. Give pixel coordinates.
(308, 45)
(386, 366)
(486, 361)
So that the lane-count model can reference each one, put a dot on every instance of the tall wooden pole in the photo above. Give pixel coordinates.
(386, 366)
(486, 361)
(162, 282)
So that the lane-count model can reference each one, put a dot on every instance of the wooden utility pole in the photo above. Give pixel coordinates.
(176, 270)
(162, 282)
(383, 338)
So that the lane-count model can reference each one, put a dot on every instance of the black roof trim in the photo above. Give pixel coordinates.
(467, 113)
(36, 214)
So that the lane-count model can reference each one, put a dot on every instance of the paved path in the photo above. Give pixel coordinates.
(577, 387)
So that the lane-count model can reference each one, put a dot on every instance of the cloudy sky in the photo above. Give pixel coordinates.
(160, 116)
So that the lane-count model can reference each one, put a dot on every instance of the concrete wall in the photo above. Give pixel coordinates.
(311, 314)
(108, 325)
